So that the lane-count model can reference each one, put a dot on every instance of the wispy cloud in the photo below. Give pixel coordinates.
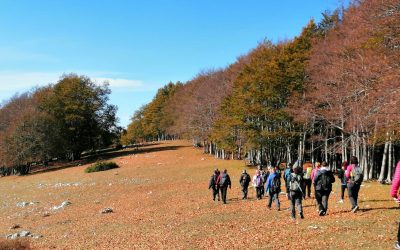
(13, 82)
(120, 83)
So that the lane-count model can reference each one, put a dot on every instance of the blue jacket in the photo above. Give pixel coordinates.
(270, 179)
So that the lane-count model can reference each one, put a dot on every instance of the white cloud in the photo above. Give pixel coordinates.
(120, 83)
(13, 82)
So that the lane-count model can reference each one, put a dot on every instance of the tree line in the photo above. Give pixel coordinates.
(329, 93)
(60, 120)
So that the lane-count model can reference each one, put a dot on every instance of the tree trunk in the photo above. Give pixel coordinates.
(383, 166)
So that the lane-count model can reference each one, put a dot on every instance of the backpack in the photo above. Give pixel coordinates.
(294, 184)
(307, 175)
(224, 180)
(259, 181)
(286, 175)
(324, 181)
(276, 183)
(357, 175)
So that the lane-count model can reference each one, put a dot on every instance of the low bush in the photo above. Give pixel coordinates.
(101, 166)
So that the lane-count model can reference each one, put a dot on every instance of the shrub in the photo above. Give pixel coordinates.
(101, 166)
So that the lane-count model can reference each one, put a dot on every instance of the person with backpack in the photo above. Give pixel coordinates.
(286, 177)
(274, 188)
(213, 184)
(258, 184)
(343, 180)
(307, 180)
(296, 192)
(244, 182)
(264, 175)
(323, 180)
(224, 182)
(355, 176)
(394, 192)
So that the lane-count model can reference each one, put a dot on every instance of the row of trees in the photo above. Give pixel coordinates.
(57, 121)
(331, 92)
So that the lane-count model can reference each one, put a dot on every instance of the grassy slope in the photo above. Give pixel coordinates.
(160, 200)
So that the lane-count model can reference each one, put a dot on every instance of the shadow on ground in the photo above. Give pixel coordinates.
(104, 156)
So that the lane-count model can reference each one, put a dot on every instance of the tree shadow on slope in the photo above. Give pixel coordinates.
(105, 156)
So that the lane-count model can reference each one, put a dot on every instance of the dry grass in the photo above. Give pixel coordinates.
(14, 245)
(160, 201)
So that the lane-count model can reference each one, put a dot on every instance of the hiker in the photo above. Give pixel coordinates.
(394, 192)
(355, 176)
(274, 188)
(307, 180)
(244, 182)
(343, 180)
(286, 177)
(258, 184)
(264, 175)
(296, 192)
(224, 181)
(323, 180)
(314, 171)
(213, 184)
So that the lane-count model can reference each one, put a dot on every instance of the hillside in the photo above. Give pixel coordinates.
(160, 200)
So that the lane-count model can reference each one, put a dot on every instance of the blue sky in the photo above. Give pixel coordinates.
(138, 46)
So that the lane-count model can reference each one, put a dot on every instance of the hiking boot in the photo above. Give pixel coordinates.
(293, 218)
(269, 207)
(321, 213)
(355, 209)
(301, 216)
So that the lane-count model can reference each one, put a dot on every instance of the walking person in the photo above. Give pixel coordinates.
(355, 176)
(394, 192)
(213, 184)
(307, 180)
(323, 180)
(274, 188)
(224, 182)
(286, 177)
(258, 183)
(343, 180)
(244, 182)
(296, 192)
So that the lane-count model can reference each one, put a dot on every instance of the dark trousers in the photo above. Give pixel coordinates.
(295, 199)
(307, 187)
(224, 190)
(398, 234)
(322, 197)
(215, 192)
(245, 189)
(259, 191)
(342, 191)
(353, 190)
(262, 190)
(274, 196)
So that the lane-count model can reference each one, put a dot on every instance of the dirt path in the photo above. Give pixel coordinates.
(160, 201)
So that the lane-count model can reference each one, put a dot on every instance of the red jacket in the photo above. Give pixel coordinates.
(396, 182)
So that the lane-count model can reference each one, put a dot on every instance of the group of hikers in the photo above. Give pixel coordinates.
(298, 184)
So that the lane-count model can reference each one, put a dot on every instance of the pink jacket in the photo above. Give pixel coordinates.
(314, 171)
(348, 170)
(396, 182)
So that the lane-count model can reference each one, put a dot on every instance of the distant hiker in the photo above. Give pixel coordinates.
(286, 177)
(343, 180)
(258, 184)
(323, 180)
(355, 176)
(296, 193)
(314, 171)
(224, 182)
(394, 192)
(213, 184)
(307, 180)
(264, 175)
(274, 188)
(244, 182)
